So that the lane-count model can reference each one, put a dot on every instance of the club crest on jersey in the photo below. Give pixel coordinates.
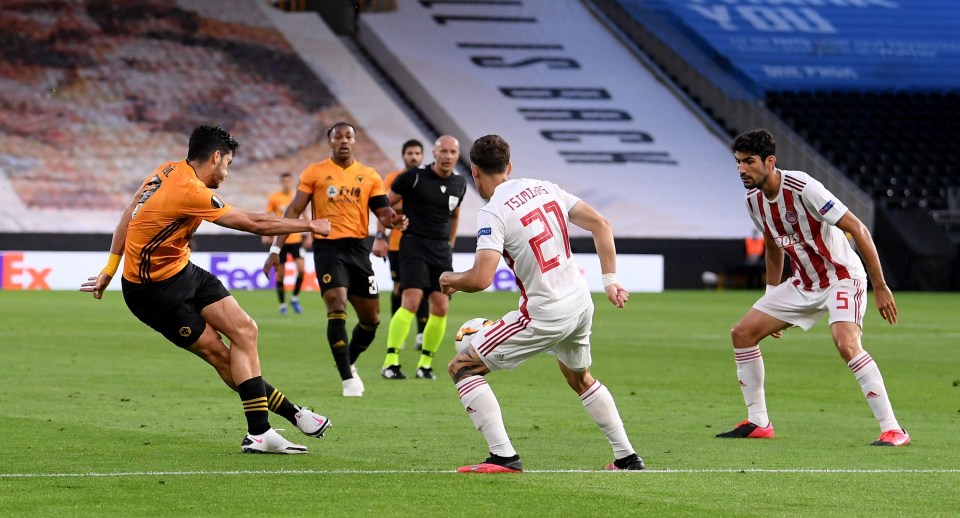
(360, 179)
(485, 231)
(332, 191)
(216, 202)
(826, 208)
(791, 217)
(185, 331)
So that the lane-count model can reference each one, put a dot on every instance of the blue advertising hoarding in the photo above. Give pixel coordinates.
(822, 44)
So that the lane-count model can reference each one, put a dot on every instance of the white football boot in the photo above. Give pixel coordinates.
(352, 387)
(270, 442)
(312, 423)
(356, 376)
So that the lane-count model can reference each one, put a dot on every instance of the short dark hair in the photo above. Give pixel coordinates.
(758, 142)
(411, 143)
(206, 139)
(491, 154)
(337, 125)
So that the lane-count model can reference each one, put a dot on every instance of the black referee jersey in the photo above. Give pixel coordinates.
(429, 200)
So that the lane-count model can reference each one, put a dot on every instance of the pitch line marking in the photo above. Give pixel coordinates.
(445, 472)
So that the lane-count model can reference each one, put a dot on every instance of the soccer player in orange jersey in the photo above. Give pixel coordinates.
(188, 305)
(277, 203)
(389, 246)
(343, 191)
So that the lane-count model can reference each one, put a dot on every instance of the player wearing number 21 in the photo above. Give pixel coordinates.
(525, 221)
(800, 218)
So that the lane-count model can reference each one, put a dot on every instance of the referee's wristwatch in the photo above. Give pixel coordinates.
(381, 235)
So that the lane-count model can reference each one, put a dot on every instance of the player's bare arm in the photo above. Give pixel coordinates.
(380, 245)
(390, 218)
(269, 225)
(294, 210)
(587, 218)
(882, 295)
(477, 278)
(454, 224)
(773, 257)
(97, 285)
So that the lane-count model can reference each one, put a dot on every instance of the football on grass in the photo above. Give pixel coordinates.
(467, 331)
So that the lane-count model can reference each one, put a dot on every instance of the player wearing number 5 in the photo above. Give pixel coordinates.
(525, 222)
(800, 218)
(343, 191)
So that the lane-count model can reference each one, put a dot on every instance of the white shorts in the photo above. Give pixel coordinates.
(845, 301)
(514, 338)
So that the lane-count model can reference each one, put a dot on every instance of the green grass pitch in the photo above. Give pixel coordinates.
(100, 416)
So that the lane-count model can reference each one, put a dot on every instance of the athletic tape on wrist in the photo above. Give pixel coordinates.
(274, 249)
(113, 262)
(608, 279)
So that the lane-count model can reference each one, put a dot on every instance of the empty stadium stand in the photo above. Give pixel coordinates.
(861, 93)
(94, 94)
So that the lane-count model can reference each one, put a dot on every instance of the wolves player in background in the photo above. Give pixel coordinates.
(800, 218)
(525, 221)
(276, 204)
(344, 191)
(185, 303)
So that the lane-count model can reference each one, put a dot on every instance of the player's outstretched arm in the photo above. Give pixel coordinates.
(882, 295)
(269, 225)
(97, 285)
(587, 218)
(477, 278)
(294, 211)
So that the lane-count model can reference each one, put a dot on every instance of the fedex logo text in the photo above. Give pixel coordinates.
(16, 276)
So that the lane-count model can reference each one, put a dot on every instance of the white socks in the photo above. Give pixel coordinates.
(484, 409)
(601, 407)
(871, 382)
(750, 372)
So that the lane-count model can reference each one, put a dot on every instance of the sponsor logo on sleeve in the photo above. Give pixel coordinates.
(485, 231)
(216, 202)
(826, 208)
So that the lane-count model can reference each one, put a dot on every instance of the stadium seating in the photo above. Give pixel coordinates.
(900, 147)
(94, 95)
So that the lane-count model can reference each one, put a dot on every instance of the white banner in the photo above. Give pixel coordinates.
(577, 107)
(242, 271)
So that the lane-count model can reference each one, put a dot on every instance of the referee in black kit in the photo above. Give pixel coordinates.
(431, 201)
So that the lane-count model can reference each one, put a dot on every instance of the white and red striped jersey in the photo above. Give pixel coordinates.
(526, 221)
(802, 220)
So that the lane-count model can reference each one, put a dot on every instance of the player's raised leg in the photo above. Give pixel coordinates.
(467, 371)
(746, 336)
(227, 317)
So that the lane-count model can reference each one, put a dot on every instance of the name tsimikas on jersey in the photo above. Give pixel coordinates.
(524, 196)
